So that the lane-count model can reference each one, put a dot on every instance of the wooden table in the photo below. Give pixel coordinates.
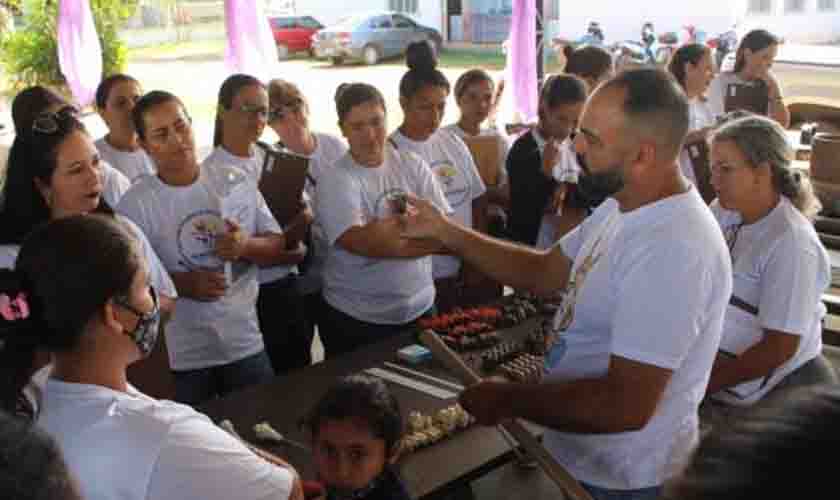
(448, 464)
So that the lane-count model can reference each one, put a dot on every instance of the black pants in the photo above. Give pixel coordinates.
(286, 332)
(343, 333)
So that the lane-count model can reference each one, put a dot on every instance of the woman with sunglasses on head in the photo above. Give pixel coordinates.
(241, 117)
(31, 102)
(213, 247)
(423, 93)
(753, 62)
(289, 118)
(772, 331)
(474, 91)
(115, 98)
(57, 172)
(80, 290)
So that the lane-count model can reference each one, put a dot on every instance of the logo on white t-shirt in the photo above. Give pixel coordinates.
(453, 181)
(197, 240)
(389, 202)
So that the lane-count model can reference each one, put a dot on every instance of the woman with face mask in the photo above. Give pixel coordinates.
(753, 62)
(80, 289)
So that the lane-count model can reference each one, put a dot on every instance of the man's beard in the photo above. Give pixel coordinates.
(596, 187)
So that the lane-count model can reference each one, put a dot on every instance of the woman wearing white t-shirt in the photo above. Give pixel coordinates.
(81, 291)
(423, 93)
(773, 324)
(115, 98)
(376, 283)
(693, 68)
(289, 118)
(30, 103)
(753, 61)
(474, 91)
(242, 116)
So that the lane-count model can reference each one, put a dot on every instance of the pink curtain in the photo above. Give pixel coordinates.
(521, 70)
(79, 51)
(250, 46)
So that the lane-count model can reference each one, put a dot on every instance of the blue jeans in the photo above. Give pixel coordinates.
(194, 387)
(605, 494)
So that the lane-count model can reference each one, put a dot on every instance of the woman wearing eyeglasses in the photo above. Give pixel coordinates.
(80, 290)
(115, 98)
(289, 118)
(772, 333)
(31, 102)
(56, 172)
(213, 242)
(241, 118)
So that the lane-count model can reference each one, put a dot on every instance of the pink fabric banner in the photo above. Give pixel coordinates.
(79, 51)
(521, 69)
(250, 43)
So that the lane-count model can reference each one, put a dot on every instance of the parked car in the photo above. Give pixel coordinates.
(372, 37)
(293, 33)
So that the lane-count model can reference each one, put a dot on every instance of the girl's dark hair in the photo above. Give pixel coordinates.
(755, 40)
(691, 53)
(359, 397)
(227, 92)
(146, 103)
(65, 273)
(350, 95)
(769, 452)
(562, 89)
(587, 62)
(32, 101)
(34, 156)
(422, 70)
(103, 91)
(470, 78)
(31, 464)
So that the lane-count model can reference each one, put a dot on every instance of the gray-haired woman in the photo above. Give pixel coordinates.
(772, 327)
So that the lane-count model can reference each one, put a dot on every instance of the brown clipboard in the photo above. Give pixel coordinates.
(698, 154)
(753, 97)
(281, 183)
(485, 152)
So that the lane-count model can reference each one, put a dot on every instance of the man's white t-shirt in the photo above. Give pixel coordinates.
(181, 223)
(253, 166)
(781, 270)
(453, 166)
(328, 150)
(158, 277)
(375, 290)
(128, 446)
(649, 285)
(701, 116)
(114, 184)
(132, 164)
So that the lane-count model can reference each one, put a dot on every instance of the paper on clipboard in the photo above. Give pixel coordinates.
(282, 182)
(485, 152)
(753, 97)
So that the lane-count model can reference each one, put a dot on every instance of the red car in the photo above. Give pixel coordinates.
(293, 33)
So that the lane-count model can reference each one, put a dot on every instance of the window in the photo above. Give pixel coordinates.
(404, 22)
(760, 6)
(407, 6)
(381, 22)
(280, 23)
(827, 5)
(310, 23)
(794, 6)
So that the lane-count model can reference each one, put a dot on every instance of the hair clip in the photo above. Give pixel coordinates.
(14, 309)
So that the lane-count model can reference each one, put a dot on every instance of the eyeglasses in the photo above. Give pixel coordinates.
(253, 110)
(123, 302)
(48, 122)
(279, 112)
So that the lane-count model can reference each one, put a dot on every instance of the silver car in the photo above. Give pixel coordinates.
(371, 37)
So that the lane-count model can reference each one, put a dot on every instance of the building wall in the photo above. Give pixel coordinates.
(800, 21)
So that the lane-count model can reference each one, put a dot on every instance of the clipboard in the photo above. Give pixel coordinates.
(753, 97)
(698, 154)
(485, 152)
(281, 183)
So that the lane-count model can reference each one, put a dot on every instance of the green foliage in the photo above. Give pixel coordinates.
(30, 55)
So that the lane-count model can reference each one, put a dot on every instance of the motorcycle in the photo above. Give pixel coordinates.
(670, 41)
(724, 46)
(594, 36)
(647, 52)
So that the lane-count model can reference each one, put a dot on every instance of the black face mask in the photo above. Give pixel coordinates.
(595, 188)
